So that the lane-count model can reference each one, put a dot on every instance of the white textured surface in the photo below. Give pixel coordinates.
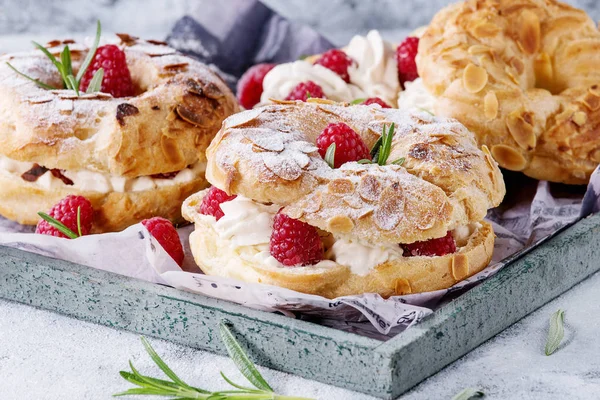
(47, 356)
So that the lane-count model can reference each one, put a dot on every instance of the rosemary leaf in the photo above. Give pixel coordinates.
(330, 155)
(365, 161)
(357, 101)
(399, 161)
(468, 393)
(96, 83)
(37, 82)
(240, 358)
(72, 84)
(58, 225)
(56, 63)
(162, 365)
(65, 58)
(556, 332)
(90, 55)
(235, 385)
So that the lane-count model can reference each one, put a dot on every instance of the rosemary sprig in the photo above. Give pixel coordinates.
(177, 388)
(556, 332)
(382, 148)
(468, 393)
(330, 155)
(65, 68)
(62, 227)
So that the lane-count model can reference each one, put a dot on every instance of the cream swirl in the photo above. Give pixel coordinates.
(416, 96)
(375, 70)
(361, 257)
(282, 79)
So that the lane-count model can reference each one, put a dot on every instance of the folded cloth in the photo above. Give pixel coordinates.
(233, 35)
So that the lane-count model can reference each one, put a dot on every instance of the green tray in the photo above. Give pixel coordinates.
(381, 368)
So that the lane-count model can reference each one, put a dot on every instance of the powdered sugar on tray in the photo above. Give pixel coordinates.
(534, 215)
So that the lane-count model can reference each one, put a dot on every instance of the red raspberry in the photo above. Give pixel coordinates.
(65, 211)
(375, 100)
(432, 247)
(337, 61)
(211, 203)
(304, 89)
(348, 145)
(117, 79)
(165, 233)
(405, 57)
(250, 85)
(294, 242)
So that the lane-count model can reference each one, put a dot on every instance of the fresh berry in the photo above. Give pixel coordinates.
(294, 242)
(165, 233)
(117, 79)
(211, 203)
(303, 91)
(348, 145)
(250, 85)
(405, 57)
(65, 211)
(432, 247)
(337, 61)
(375, 100)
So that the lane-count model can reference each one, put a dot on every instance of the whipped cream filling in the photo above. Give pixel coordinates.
(86, 180)
(375, 70)
(416, 97)
(246, 228)
(373, 74)
(282, 79)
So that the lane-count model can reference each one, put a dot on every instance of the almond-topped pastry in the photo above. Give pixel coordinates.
(335, 200)
(133, 157)
(523, 76)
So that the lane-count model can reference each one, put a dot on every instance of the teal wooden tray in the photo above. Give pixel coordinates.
(381, 368)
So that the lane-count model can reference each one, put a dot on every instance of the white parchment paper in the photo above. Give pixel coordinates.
(531, 213)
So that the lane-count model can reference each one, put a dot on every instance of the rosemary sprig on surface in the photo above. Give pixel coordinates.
(65, 68)
(468, 393)
(176, 388)
(556, 332)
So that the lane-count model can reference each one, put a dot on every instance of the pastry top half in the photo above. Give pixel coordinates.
(269, 155)
(179, 105)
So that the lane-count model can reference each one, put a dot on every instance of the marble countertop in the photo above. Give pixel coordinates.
(52, 357)
(48, 356)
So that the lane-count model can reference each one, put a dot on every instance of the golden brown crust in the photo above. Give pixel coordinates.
(180, 106)
(21, 200)
(405, 275)
(268, 155)
(521, 74)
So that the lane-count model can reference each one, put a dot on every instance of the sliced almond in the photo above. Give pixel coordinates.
(478, 49)
(580, 118)
(341, 186)
(474, 78)
(508, 157)
(490, 105)
(544, 72)
(521, 129)
(340, 224)
(529, 31)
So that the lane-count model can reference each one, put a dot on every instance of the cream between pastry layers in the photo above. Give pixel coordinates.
(133, 158)
(364, 212)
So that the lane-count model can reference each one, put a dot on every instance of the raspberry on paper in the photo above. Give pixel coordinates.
(165, 233)
(294, 242)
(65, 211)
